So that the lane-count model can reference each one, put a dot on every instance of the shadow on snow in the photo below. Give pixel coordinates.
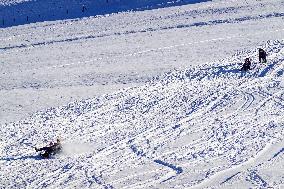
(42, 10)
(35, 157)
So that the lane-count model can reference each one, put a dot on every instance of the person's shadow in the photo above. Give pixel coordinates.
(35, 157)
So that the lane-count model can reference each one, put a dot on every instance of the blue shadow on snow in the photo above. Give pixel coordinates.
(35, 157)
(42, 10)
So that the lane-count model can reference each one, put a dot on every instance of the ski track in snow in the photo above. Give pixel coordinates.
(248, 166)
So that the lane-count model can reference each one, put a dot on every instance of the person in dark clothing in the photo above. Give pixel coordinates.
(51, 149)
(246, 65)
(84, 8)
(262, 55)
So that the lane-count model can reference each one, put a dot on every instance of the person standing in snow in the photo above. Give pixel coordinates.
(84, 8)
(246, 65)
(262, 55)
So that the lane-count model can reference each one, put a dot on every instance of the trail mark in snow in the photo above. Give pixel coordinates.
(275, 155)
(178, 170)
(229, 178)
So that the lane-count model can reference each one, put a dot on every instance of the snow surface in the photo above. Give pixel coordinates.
(146, 99)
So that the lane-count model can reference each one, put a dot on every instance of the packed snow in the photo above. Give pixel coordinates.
(150, 98)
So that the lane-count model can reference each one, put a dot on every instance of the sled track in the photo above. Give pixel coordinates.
(262, 157)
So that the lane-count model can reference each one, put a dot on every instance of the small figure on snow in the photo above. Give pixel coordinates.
(246, 65)
(51, 149)
(262, 55)
(84, 8)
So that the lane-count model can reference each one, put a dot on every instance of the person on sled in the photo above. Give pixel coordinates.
(51, 149)
(262, 55)
(246, 65)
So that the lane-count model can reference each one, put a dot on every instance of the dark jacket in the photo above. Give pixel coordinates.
(262, 53)
(246, 65)
(53, 148)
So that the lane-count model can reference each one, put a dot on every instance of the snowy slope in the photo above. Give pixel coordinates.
(206, 126)
(145, 99)
(47, 64)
